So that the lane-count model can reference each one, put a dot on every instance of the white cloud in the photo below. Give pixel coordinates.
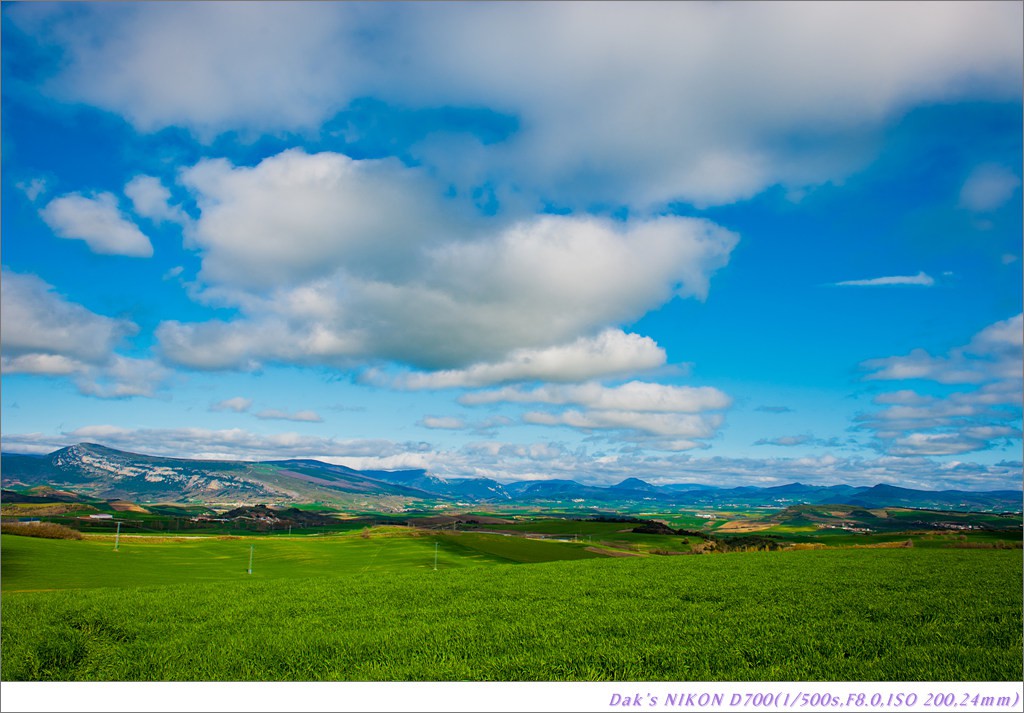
(43, 364)
(656, 129)
(219, 345)
(988, 187)
(279, 415)
(992, 354)
(119, 377)
(610, 353)
(1003, 340)
(632, 396)
(965, 409)
(97, 221)
(664, 417)
(236, 444)
(37, 322)
(934, 444)
(33, 188)
(613, 100)
(443, 422)
(960, 422)
(152, 200)
(332, 260)
(904, 397)
(920, 278)
(919, 364)
(238, 404)
(654, 424)
(123, 377)
(44, 334)
(211, 67)
(298, 216)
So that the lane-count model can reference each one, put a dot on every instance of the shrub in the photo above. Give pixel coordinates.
(48, 530)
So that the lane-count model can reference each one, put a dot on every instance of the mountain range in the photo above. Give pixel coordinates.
(103, 472)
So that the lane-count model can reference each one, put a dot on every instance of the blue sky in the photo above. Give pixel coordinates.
(730, 243)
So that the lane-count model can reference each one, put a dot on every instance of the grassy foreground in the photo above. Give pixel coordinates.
(856, 615)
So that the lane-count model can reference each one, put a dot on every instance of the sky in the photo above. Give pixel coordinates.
(722, 243)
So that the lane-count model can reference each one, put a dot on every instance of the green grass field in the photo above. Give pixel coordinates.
(32, 564)
(347, 608)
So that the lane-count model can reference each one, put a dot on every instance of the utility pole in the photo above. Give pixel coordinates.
(117, 537)
(251, 548)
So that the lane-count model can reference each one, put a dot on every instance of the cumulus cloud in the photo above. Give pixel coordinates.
(297, 216)
(988, 187)
(664, 417)
(934, 444)
(585, 61)
(43, 364)
(610, 353)
(238, 404)
(43, 333)
(99, 222)
(663, 425)
(992, 354)
(152, 200)
(920, 278)
(38, 324)
(199, 65)
(443, 422)
(986, 417)
(212, 67)
(279, 415)
(332, 260)
(123, 377)
(118, 377)
(632, 396)
(991, 403)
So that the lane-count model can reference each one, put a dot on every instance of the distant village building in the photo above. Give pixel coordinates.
(101, 516)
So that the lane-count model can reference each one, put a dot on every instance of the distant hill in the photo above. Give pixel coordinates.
(106, 473)
(890, 495)
(476, 489)
(635, 485)
(95, 471)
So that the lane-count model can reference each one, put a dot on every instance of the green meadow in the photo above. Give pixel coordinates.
(32, 564)
(500, 608)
